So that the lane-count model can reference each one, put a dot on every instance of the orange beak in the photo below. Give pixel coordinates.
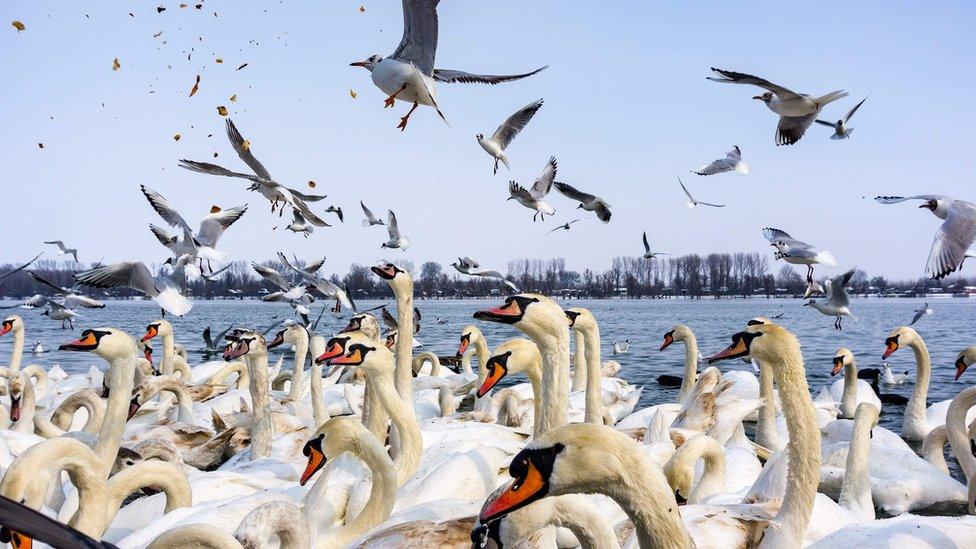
(520, 493)
(960, 367)
(333, 351)
(508, 313)
(7, 326)
(316, 460)
(20, 541)
(463, 347)
(495, 374)
(133, 407)
(668, 340)
(354, 358)
(390, 342)
(84, 344)
(151, 332)
(737, 349)
(838, 366)
(147, 352)
(891, 345)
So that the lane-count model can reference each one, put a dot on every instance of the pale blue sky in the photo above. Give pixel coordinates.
(627, 107)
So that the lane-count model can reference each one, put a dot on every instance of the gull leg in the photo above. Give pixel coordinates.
(392, 99)
(403, 121)
(71, 323)
(495, 171)
(209, 266)
(810, 274)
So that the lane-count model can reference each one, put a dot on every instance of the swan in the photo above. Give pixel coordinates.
(253, 347)
(965, 359)
(15, 324)
(297, 335)
(959, 440)
(582, 322)
(471, 336)
(171, 360)
(514, 356)
(545, 323)
(22, 404)
(682, 333)
(850, 391)
(919, 419)
(579, 360)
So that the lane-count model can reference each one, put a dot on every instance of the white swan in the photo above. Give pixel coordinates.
(252, 346)
(682, 333)
(171, 361)
(919, 419)
(850, 391)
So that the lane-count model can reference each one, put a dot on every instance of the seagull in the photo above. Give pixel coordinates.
(336, 210)
(203, 244)
(441, 320)
(396, 239)
(565, 226)
(955, 236)
(165, 289)
(503, 136)
(797, 252)
(813, 287)
(532, 198)
(64, 250)
(409, 74)
(692, 203)
(394, 328)
(323, 286)
(796, 111)
(841, 131)
(370, 218)
(298, 224)
(920, 312)
(69, 297)
(38, 348)
(261, 181)
(55, 310)
(588, 202)
(21, 268)
(891, 378)
(621, 347)
(295, 295)
(731, 162)
(837, 299)
(648, 254)
(468, 266)
(214, 346)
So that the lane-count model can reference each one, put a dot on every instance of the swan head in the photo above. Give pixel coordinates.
(390, 272)
(16, 395)
(374, 359)
(161, 328)
(842, 358)
(580, 319)
(766, 342)
(469, 335)
(147, 351)
(511, 357)
(534, 314)
(107, 343)
(126, 458)
(335, 437)
(680, 332)
(246, 343)
(899, 337)
(11, 323)
(293, 333)
(370, 62)
(365, 323)
(965, 359)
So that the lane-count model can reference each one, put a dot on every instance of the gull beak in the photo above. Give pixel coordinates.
(757, 97)
(838, 366)
(960, 368)
(359, 64)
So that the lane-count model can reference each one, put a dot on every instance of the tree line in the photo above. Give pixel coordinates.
(740, 274)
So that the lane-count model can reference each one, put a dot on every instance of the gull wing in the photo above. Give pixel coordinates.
(731, 77)
(735, 153)
(21, 268)
(824, 123)
(272, 276)
(393, 227)
(126, 274)
(207, 340)
(519, 192)
(213, 169)
(165, 209)
(368, 212)
(954, 237)
(790, 129)
(419, 43)
(389, 320)
(244, 151)
(851, 112)
(647, 247)
(452, 76)
(721, 165)
(837, 289)
(544, 182)
(515, 123)
(897, 199)
(776, 235)
(685, 189)
(313, 266)
(572, 192)
(58, 289)
(213, 226)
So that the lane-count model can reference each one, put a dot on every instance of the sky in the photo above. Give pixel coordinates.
(627, 109)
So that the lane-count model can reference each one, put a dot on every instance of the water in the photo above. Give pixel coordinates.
(643, 322)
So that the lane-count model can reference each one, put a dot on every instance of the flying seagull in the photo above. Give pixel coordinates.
(396, 240)
(648, 254)
(295, 295)
(64, 250)
(323, 286)
(165, 289)
(565, 226)
(70, 298)
(298, 224)
(202, 244)
(336, 210)
(56, 310)
(920, 312)
(370, 218)
(692, 203)
(261, 181)
(503, 136)
(841, 131)
(796, 111)
(837, 299)
(588, 202)
(532, 198)
(955, 236)
(409, 74)
(731, 162)
(468, 266)
(797, 252)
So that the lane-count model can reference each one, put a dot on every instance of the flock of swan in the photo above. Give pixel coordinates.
(361, 443)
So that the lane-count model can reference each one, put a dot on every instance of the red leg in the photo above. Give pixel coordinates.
(392, 99)
(403, 121)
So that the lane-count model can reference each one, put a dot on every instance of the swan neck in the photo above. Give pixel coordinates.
(408, 431)
(580, 368)
(16, 351)
(120, 382)
(262, 429)
(848, 399)
(161, 475)
(483, 354)
(594, 397)
(554, 348)
(403, 374)
(855, 492)
(319, 413)
(650, 505)
(298, 372)
(958, 433)
(915, 409)
(766, 433)
(169, 354)
(382, 494)
(691, 366)
(585, 520)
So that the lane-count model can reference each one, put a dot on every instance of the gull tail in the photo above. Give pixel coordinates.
(826, 258)
(742, 168)
(830, 97)
(843, 135)
(211, 254)
(173, 302)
